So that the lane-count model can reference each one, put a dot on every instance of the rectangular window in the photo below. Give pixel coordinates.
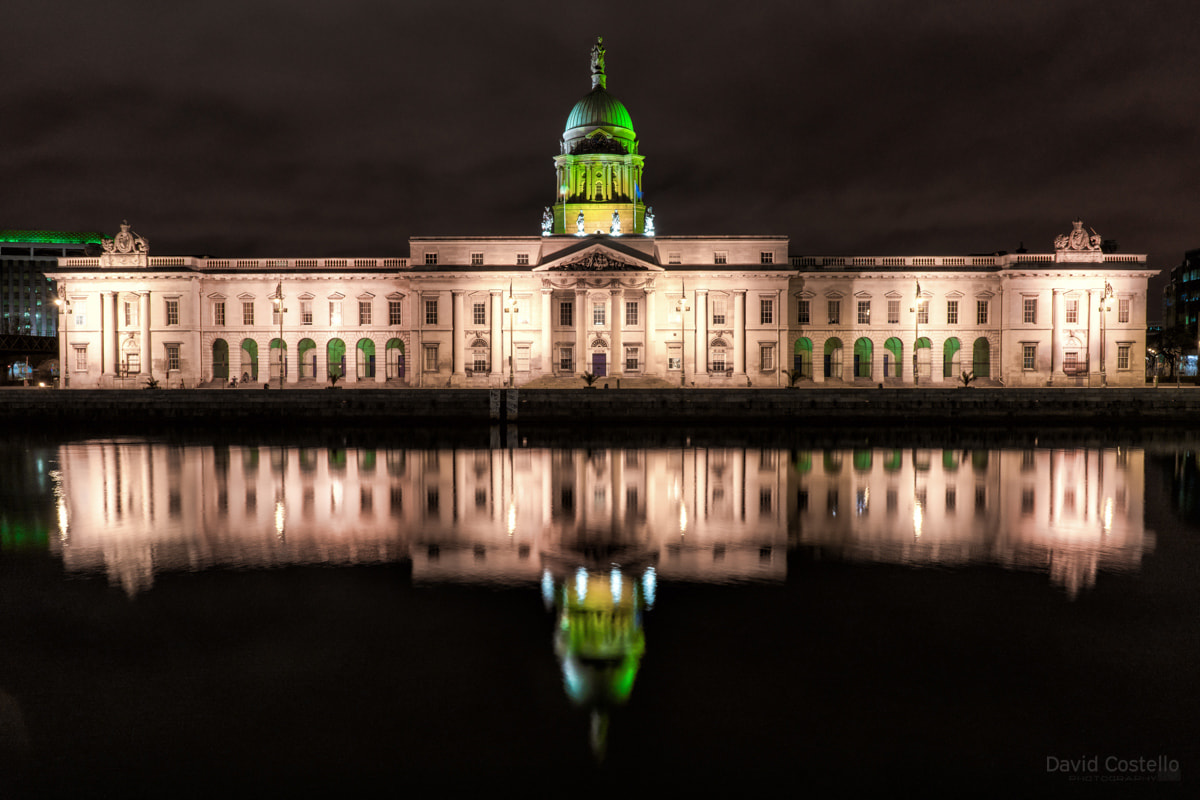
(1123, 356)
(981, 312)
(80, 320)
(276, 311)
(598, 313)
(219, 313)
(430, 259)
(922, 312)
(766, 357)
(674, 357)
(804, 316)
(431, 358)
(133, 363)
(835, 312)
(522, 259)
(766, 311)
(893, 312)
(631, 359)
(431, 312)
(172, 357)
(476, 259)
(335, 313)
(766, 258)
(248, 312)
(479, 314)
(864, 312)
(566, 359)
(1123, 309)
(81, 358)
(720, 257)
(631, 313)
(566, 314)
(172, 312)
(306, 312)
(1030, 311)
(951, 312)
(479, 362)
(1071, 362)
(718, 312)
(130, 314)
(673, 258)
(394, 314)
(1029, 356)
(364, 312)
(1072, 312)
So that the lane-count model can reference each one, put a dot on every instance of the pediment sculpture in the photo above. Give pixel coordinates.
(595, 261)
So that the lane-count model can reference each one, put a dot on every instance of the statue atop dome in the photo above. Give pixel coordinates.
(598, 81)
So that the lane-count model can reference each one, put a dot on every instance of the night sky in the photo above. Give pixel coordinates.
(270, 128)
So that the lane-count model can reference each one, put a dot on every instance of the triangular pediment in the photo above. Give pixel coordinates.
(607, 256)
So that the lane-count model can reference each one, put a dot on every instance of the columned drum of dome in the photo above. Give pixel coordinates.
(599, 171)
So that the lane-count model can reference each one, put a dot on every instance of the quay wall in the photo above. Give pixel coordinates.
(582, 407)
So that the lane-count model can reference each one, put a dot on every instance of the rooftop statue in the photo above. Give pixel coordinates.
(648, 228)
(579, 223)
(126, 241)
(1078, 238)
(615, 228)
(598, 56)
(547, 222)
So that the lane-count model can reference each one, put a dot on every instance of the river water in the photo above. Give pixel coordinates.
(191, 617)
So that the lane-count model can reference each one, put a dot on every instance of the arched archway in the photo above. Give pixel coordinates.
(833, 358)
(249, 371)
(335, 358)
(863, 351)
(220, 358)
(366, 359)
(892, 359)
(951, 359)
(308, 359)
(981, 358)
(924, 355)
(395, 359)
(802, 357)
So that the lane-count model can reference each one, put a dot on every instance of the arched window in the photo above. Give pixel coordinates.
(335, 358)
(981, 361)
(308, 359)
(951, 359)
(395, 359)
(833, 358)
(893, 358)
(717, 356)
(924, 353)
(802, 358)
(863, 350)
(249, 371)
(366, 359)
(278, 358)
(220, 354)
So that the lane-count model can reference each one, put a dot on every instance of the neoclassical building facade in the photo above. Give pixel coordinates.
(601, 292)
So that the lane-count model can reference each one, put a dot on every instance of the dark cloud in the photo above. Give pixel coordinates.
(265, 127)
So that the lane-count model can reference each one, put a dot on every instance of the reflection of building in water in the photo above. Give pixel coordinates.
(135, 509)
(1070, 512)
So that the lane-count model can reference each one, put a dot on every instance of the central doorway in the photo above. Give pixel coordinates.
(600, 364)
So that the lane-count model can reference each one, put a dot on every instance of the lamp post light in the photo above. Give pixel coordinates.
(64, 314)
(278, 301)
(1105, 297)
(682, 307)
(917, 338)
(510, 312)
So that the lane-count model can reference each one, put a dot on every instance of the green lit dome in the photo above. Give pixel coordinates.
(599, 109)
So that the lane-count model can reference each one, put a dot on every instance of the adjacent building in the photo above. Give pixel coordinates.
(600, 291)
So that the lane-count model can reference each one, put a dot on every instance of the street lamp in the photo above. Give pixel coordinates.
(1104, 298)
(510, 312)
(917, 338)
(682, 307)
(64, 313)
(278, 301)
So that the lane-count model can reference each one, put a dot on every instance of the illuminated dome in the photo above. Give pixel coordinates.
(599, 109)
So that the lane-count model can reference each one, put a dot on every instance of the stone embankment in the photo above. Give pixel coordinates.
(859, 407)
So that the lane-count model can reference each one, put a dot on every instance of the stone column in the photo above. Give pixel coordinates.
(581, 365)
(456, 342)
(818, 359)
(497, 335)
(739, 332)
(650, 362)
(1055, 345)
(877, 356)
(144, 320)
(937, 359)
(108, 332)
(618, 355)
(547, 337)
